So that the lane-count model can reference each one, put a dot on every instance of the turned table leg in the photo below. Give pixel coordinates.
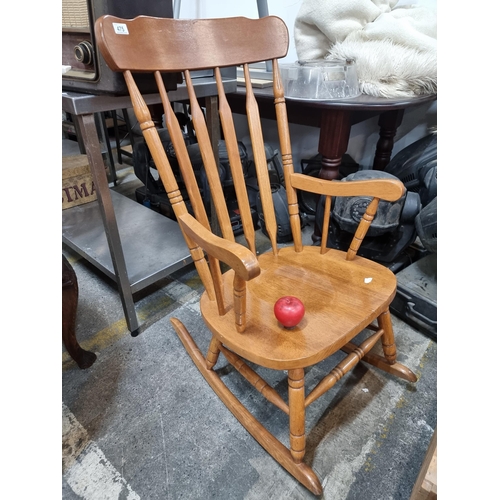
(83, 358)
(333, 141)
(388, 123)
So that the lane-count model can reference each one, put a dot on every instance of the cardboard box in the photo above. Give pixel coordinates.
(77, 183)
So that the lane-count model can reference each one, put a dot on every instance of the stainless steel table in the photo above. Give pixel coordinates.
(131, 244)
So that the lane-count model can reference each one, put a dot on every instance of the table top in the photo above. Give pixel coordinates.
(81, 103)
(360, 103)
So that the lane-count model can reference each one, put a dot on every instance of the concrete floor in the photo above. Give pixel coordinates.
(141, 422)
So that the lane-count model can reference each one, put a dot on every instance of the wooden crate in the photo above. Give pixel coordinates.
(425, 487)
(77, 183)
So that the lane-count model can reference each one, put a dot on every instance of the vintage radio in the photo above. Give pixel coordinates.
(84, 69)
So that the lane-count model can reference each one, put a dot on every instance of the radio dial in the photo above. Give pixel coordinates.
(83, 52)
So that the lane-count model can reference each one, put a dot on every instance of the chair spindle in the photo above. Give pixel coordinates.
(362, 228)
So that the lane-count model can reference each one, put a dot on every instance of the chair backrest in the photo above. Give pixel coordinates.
(157, 45)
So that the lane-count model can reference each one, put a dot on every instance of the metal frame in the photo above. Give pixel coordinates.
(82, 229)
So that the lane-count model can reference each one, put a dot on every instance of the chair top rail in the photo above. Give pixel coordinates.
(195, 44)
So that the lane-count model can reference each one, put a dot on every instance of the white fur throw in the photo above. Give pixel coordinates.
(394, 44)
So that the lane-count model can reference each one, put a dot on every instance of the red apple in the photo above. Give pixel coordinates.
(289, 310)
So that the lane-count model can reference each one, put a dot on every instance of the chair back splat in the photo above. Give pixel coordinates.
(345, 295)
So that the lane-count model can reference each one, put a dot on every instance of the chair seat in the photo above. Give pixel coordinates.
(325, 284)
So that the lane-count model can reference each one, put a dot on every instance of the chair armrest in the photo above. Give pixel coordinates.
(238, 257)
(385, 189)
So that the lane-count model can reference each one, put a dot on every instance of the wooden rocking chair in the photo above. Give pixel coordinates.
(343, 293)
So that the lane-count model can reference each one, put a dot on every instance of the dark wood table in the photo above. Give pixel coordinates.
(335, 118)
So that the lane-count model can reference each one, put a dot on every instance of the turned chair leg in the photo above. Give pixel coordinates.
(296, 402)
(388, 342)
(83, 358)
(213, 353)
(282, 454)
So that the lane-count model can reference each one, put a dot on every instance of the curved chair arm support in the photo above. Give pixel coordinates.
(239, 258)
(385, 189)
(378, 189)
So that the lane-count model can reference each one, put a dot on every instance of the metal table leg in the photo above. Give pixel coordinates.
(87, 125)
(214, 134)
(117, 136)
(100, 121)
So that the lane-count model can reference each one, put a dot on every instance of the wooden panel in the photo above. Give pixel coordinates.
(77, 183)
(426, 484)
